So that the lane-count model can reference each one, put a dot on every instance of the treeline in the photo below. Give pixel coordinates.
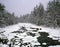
(40, 16)
(6, 18)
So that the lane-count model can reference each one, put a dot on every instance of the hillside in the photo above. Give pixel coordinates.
(17, 32)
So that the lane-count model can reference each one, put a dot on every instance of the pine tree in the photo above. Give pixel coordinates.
(53, 12)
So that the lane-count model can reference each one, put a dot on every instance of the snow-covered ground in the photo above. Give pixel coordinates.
(23, 34)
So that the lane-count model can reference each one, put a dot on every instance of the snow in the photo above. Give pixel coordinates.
(5, 45)
(55, 46)
(29, 39)
(26, 38)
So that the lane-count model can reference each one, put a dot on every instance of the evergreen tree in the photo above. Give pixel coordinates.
(6, 18)
(2, 7)
(53, 12)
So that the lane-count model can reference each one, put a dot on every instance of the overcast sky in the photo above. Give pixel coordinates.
(20, 7)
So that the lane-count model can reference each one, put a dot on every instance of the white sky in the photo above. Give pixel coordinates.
(20, 7)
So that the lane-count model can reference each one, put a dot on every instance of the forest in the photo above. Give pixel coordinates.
(47, 17)
(39, 28)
